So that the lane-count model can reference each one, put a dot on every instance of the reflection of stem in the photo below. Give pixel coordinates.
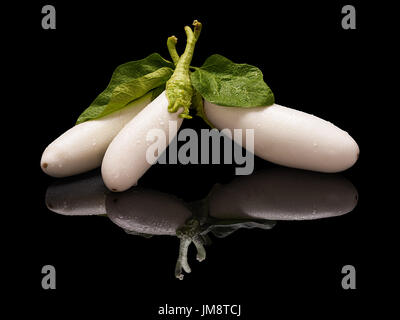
(182, 262)
(201, 252)
(206, 240)
(188, 233)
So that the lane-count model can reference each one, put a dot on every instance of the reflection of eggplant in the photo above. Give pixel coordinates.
(147, 211)
(283, 194)
(255, 201)
(81, 195)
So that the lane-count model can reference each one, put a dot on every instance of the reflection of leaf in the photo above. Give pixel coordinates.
(134, 233)
(222, 232)
(129, 81)
(225, 228)
(206, 239)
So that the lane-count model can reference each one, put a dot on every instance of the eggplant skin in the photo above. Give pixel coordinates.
(289, 137)
(80, 195)
(284, 194)
(125, 161)
(147, 211)
(82, 147)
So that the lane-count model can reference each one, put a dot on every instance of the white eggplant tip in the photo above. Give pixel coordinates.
(113, 181)
(344, 156)
(51, 164)
(355, 152)
(117, 187)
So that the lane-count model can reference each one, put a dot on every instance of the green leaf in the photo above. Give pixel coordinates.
(157, 91)
(129, 91)
(197, 104)
(223, 82)
(129, 82)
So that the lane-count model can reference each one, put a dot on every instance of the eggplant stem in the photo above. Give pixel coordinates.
(171, 44)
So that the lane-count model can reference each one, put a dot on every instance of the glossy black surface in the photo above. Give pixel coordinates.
(294, 268)
(247, 202)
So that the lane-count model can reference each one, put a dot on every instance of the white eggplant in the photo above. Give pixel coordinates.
(82, 147)
(289, 137)
(125, 160)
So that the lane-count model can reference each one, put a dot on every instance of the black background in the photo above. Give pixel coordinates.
(309, 62)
